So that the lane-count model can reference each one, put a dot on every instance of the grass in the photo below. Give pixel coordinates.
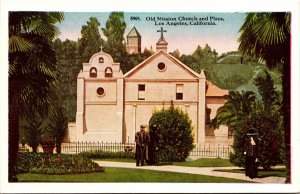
(202, 162)
(278, 172)
(230, 76)
(127, 175)
(206, 162)
(239, 76)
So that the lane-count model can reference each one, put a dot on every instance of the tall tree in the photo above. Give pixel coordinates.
(68, 67)
(32, 64)
(202, 58)
(267, 37)
(58, 124)
(33, 130)
(205, 55)
(71, 55)
(114, 31)
(90, 40)
(267, 90)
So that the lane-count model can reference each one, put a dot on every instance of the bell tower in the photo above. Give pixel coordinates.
(162, 44)
(133, 41)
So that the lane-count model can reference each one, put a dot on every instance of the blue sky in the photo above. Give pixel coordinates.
(222, 36)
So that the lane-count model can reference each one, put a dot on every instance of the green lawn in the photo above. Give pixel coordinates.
(279, 172)
(239, 76)
(206, 162)
(126, 175)
(202, 162)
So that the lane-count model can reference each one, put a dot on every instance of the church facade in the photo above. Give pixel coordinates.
(111, 105)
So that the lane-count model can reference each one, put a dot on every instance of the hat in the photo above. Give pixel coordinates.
(143, 126)
(252, 132)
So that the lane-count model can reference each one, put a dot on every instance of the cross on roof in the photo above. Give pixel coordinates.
(161, 33)
(101, 48)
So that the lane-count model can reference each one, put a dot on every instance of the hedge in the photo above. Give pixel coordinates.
(106, 154)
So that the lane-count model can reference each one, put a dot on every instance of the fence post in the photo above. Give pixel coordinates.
(76, 147)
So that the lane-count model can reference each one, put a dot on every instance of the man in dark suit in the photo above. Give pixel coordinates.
(142, 139)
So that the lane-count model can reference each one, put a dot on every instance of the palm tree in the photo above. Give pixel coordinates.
(58, 124)
(267, 37)
(33, 130)
(237, 108)
(32, 64)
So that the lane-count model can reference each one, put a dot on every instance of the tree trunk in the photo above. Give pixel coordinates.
(58, 148)
(13, 139)
(34, 149)
(287, 122)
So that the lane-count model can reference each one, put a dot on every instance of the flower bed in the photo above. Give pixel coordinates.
(55, 164)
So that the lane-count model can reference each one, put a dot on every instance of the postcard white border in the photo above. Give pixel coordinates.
(150, 6)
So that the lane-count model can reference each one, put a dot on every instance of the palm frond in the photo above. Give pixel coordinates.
(267, 37)
(19, 44)
(268, 31)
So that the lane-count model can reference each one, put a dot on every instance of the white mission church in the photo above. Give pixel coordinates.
(111, 105)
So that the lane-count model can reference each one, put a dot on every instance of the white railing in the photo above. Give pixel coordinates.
(77, 147)
(212, 150)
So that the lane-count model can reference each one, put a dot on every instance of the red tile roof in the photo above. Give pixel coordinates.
(213, 90)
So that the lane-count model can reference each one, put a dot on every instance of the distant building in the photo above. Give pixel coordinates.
(134, 41)
(176, 53)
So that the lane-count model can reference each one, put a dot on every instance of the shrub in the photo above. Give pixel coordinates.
(106, 154)
(174, 138)
(55, 164)
(270, 144)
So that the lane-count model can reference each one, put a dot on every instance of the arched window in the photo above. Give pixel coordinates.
(101, 60)
(93, 72)
(108, 72)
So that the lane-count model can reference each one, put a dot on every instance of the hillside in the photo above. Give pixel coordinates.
(239, 76)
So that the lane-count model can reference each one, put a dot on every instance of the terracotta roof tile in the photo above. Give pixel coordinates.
(213, 90)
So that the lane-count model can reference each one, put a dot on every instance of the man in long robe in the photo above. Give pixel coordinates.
(251, 152)
(142, 140)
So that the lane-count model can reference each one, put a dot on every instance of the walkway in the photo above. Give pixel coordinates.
(210, 171)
